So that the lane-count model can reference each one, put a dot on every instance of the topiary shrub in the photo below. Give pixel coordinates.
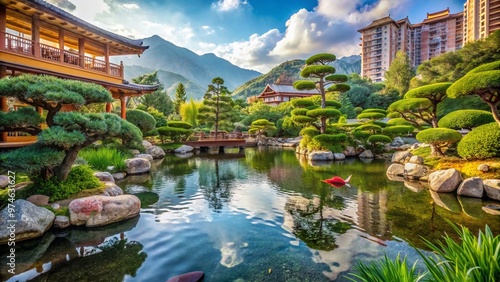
(394, 115)
(330, 138)
(371, 115)
(179, 124)
(299, 112)
(398, 130)
(397, 121)
(302, 103)
(331, 142)
(370, 128)
(80, 178)
(143, 120)
(303, 119)
(466, 119)
(358, 110)
(438, 138)
(309, 131)
(382, 111)
(481, 143)
(377, 142)
(334, 104)
(174, 134)
(324, 112)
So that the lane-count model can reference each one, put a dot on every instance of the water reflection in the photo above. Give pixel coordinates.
(215, 180)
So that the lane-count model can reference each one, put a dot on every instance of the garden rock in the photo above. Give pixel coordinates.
(156, 152)
(367, 154)
(144, 156)
(404, 147)
(137, 166)
(183, 149)
(338, 156)
(38, 200)
(146, 144)
(401, 157)
(320, 156)
(350, 151)
(97, 211)
(398, 141)
(134, 152)
(415, 171)
(395, 169)
(471, 187)
(118, 175)
(112, 189)
(31, 221)
(104, 176)
(55, 206)
(61, 222)
(483, 168)
(492, 188)
(416, 160)
(415, 146)
(445, 181)
(4, 181)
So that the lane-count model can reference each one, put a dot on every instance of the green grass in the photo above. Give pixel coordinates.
(386, 270)
(101, 157)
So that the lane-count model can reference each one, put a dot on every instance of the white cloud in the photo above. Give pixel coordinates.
(354, 11)
(131, 6)
(208, 30)
(228, 5)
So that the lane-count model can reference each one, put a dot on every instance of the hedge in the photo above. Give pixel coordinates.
(179, 124)
(174, 133)
(481, 143)
(466, 119)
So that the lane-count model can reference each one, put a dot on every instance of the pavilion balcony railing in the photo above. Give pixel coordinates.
(25, 46)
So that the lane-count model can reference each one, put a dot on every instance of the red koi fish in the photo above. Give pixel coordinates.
(187, 277)
(337, 181)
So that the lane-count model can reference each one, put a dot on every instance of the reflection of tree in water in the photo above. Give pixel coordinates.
(216, 181)
(112, 260)
(314, 221)
(176, 169)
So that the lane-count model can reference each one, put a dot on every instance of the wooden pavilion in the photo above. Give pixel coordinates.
(39, 38)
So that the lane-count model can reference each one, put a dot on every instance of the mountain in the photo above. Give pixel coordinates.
(170, 80)
(291, 69)
(163, 55)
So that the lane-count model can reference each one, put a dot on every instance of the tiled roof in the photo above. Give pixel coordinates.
(49, 8)
(379, 22)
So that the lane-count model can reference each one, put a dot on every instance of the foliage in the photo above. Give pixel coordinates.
(462, 103)
(68, 132)
(370, 128)
(101, 157)
(347, 108)
(386, 270)
(435, 93)
(394, 115)
(381, 100)
(465, 119)
(481, 142)
(25, 119)
(260, 110)
(438, 138)
(80, 178)
(358, 95)
(483, 81)
(143, 120)
(327, 113)
(379, 138)
(398, 130)
(382, 111)
(302, 103)
(414, 110)
(180, 97)
(160, 119)
(286, 127)
(309, 131)
(398, 121)
(358, 110)
(399, 73)
(262, 126)
(331, 142)
(179, 124)
(158, 99)
(217, 109)
(371, 115)
(175, 134)
(189, 111)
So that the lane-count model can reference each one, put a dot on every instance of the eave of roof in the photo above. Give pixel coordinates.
(379, 22)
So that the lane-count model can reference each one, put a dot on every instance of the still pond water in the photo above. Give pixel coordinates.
(261, 215)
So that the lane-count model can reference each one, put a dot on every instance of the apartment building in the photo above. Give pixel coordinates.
(481, 18)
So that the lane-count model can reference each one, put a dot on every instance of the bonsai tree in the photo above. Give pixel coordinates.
(481, 143)
(67, 132)
(483, 81)
(438, 138)
(435, 93)
(217, 106)
(317, 66)
(466, 119)
(377, 142)
(261, 126)
(413, 110)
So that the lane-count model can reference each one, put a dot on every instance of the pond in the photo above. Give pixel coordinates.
(261, 215)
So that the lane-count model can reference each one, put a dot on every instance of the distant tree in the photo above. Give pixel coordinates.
(317, 66)
(217, 106)
(483, 81)
(261, 126)
(67, 132)
(158, 99)
(180, 97)
(399, 74)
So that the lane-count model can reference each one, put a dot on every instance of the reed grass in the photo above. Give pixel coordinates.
(102, 157)
(387, 270)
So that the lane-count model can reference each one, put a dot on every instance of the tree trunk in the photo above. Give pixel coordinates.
(323, 104)
(494, 111)
(217, 116)
(436, 151)
(323, 125)
(62, 170)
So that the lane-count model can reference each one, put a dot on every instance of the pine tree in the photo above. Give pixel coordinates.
(158, 99)
(399, 74)
(180, 97)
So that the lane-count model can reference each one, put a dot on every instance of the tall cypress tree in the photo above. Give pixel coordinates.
(217, 106)
(180, 97)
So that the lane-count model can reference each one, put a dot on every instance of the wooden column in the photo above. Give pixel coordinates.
(108, 107)
(61, 45)
(106, 57)
(35, 34)
(123, 107)
(3, 100)
(81, 51)
(3, 25)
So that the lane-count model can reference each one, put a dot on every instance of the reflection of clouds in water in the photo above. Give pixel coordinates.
(232, 254)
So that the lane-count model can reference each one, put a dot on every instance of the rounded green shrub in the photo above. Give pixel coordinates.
(324, 112)
(333, 104)
(481, 143)
(80, 178)
(438, 138)
(466, 119)
(302, 103)
(358, 110)
(371, 115)
(309, 131)
(373, 110)
(302, 119)
(179, 124)
(299, 112)
(398, 130)
(143, 120)
(361, 135)
(174, 133)
(394, 115)
(330, 138)
(379, 123)
(379, 138)
(398, 121)
(372, 128)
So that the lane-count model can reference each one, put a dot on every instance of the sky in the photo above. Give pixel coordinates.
(253, 34)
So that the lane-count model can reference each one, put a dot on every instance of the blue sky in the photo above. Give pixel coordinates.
(254, 34)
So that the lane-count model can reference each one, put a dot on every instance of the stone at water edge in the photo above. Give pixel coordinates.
(31, 221)
(492, 188)
(350, 151)
(445, 181)
(396, 169)
(367, 154)
(118, 175)
(401, 157)
(339, 156)
(144, 156)
(61, 222)
(4, 181)
(112, 189)
(104, 176)
(471, 187)
(146, 144)
(38, 200)
(156, 152)
(416, 160)
(415, 171)
(97, 211)
(137, 166)
(183, 149)
(320, 156)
